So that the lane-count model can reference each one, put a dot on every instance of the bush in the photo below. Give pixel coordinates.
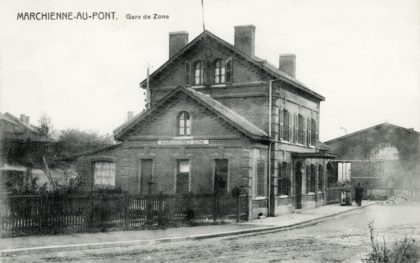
(402, 251)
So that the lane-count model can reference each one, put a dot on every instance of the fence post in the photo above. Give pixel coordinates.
(161, 219)
(247, 205)
(126, 211)
(214, 207)
(238, 203)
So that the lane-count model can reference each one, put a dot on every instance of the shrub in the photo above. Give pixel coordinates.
(402, 251)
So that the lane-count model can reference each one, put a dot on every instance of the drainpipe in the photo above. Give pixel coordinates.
(270, 106)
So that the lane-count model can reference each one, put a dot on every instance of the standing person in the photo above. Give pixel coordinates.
(358, 194)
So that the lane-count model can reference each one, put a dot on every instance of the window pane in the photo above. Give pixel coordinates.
(184, 166)
(104, 173)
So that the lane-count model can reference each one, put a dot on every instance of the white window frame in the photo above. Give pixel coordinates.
(98, 178)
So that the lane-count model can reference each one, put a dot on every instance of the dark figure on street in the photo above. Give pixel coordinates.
(358, 194)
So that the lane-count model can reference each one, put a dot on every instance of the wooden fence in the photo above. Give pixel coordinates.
(46, 214)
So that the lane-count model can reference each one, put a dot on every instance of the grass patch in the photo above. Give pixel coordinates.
(406, 250)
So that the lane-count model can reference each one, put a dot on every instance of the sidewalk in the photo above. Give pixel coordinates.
(52, 243)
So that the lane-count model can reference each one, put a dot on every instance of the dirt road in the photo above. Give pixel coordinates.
(342, 239)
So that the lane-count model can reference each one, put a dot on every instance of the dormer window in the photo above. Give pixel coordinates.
(219, 71)
(184, 124)
(198, 73)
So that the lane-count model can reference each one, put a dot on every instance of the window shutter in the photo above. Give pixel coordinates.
(295, 135)
(281, 123)
(229, 71)
(187, 73)
(309, 135)
(289, 127)
(316, 133)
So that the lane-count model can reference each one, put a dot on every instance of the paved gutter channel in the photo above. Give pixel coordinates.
(247, 232)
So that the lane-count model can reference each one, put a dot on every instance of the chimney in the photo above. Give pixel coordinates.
(245, 39)
(26, 119)
(130, 115)
(287, 64)
(22, 117)
(177, 40)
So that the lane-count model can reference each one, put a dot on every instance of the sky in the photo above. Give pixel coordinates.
(363, 56)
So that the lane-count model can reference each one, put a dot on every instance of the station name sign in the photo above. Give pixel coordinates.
(182, 142)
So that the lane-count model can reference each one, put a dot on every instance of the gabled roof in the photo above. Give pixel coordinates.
(260, 63)
(412, 131)
(17, 121)
(231, 117)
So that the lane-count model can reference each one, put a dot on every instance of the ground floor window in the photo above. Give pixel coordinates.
(221, 176)
(260, 182)
(183, 170)
(284, 183)
(104, 174)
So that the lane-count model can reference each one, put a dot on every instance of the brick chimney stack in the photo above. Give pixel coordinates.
(245, 39)
(177, 40)
(287, 64)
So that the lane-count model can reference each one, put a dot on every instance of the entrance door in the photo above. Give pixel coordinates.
(221, 176)
(298, 185)
(146, 173)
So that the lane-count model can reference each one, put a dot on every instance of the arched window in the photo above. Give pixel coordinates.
(219, 71)
(384, 151)
(184, 124)
(198, 73)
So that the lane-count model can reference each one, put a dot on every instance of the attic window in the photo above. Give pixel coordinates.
(184, 124)
(219, 71)
(198, 73)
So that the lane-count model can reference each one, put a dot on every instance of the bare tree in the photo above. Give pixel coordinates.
(46, 127)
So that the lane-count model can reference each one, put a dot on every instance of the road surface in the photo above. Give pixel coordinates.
(342, 239)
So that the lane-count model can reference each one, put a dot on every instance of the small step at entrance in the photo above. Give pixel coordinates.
(298, 211)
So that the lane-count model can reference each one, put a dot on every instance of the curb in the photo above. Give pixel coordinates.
(248, 232)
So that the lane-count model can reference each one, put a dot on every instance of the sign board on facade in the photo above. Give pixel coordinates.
(182, 142)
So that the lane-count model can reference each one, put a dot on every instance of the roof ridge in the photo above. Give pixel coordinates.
(369, 128)
(266, 66)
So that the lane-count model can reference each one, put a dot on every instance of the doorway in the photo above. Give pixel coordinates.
(298, 185)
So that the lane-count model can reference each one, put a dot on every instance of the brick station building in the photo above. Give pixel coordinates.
(218, 117)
